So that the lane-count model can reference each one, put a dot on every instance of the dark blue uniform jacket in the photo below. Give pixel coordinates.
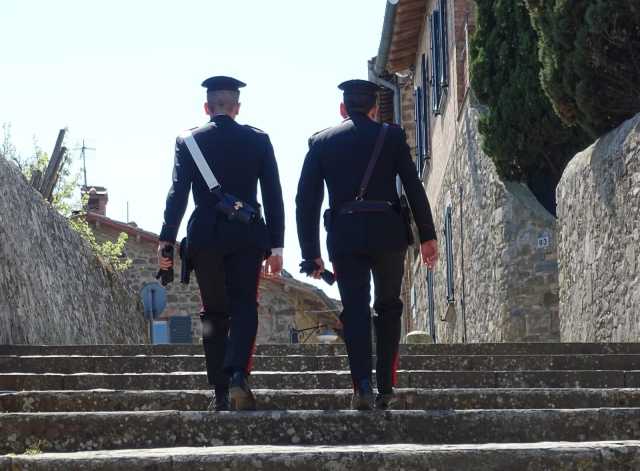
(339, 156)
(239, 157)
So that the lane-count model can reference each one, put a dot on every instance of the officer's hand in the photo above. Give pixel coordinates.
(429, 252)
(318, 273)
(163, 262)
(273, 266)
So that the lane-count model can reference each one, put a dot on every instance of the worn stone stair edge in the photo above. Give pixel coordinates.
(560, 456)
(329, 399)
(327, 380)
(122, 430)
(471, 348)
(165, 364)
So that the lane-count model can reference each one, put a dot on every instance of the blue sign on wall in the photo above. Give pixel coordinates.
(154, 300)
(180, 329)
(160, 332)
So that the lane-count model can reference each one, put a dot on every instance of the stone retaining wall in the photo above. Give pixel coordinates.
(53, 289)
(599, 240)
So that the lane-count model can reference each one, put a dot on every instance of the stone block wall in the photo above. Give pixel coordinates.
(53, 289)
(599, 240)
(506, 287)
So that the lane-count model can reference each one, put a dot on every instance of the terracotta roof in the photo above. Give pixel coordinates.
(409, 19)
(122, 227)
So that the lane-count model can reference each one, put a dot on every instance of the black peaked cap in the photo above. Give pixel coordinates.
(359, 87)
(220, 82)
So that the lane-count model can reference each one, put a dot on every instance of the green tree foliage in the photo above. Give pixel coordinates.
(590, 50)
(110, 253)
(522, 134)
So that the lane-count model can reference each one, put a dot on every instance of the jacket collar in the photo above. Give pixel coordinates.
(222, 119)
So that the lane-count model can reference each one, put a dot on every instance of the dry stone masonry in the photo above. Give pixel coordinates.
(53, 289)
(599, 240)
(504, 253)
(495, 407)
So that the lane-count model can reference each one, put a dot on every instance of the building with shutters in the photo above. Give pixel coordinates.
(497, 277)
(284, 302)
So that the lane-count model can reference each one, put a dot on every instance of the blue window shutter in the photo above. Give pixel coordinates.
(448, 233)
(416, 101)
(425, 106)
(436, 64)
(431, 308)
(444, 44)
(419, 131)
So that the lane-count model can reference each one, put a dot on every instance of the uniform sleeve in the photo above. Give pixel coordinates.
(415, 191)
(309, 203)
(178, 196)
(272, 198)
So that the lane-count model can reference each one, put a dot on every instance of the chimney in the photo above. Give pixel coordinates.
(98, 199)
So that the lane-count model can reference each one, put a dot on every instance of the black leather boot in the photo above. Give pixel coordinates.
(240, 395)
(220, 401)
(362, 396)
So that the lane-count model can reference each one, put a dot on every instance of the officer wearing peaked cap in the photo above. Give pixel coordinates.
(366, 231)
(227, 253)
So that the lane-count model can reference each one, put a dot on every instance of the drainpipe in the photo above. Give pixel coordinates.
(387, 36)
(378, 65)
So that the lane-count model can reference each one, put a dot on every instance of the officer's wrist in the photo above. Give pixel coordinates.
(277, 251)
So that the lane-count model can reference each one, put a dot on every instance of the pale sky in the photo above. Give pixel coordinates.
(125, 76)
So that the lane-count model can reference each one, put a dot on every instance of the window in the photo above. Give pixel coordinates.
(448, 235)
(431, 310)
(420, 134)
(444, 45)
(426, 127)
(436, 86)
(439, 55)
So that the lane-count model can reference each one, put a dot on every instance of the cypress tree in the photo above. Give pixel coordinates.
(520, 130)
(590, 51)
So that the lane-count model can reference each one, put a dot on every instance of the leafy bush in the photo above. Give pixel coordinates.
(590, 51)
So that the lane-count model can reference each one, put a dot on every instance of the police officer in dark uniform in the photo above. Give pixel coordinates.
(227, 255)
(364, 242)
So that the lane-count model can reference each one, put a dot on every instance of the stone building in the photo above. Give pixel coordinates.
(284, 302)
(497, 277)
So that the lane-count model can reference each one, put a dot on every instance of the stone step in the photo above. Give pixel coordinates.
(122, 430)
(326, 380)
(334, 349)
(323, 399)
(550, 456)
(173, 363)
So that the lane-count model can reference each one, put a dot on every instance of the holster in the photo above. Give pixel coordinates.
(235, 209)
(405, 211)
(366, 206)
(185, 267)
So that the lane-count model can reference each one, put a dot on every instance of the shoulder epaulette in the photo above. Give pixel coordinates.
(319, 132)
(253, 128)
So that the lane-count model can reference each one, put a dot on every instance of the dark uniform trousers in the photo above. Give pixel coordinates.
(229, 287)
(354, 282)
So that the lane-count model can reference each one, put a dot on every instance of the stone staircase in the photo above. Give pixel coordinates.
(516, 407)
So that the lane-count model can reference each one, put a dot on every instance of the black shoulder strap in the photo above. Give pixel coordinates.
(372, 163)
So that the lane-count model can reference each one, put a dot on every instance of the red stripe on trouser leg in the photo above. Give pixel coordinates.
(394, 369)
